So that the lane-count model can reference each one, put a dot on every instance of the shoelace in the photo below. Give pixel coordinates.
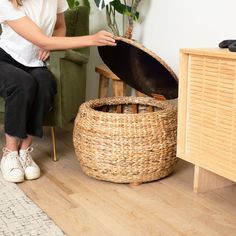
(26, 160)
(13, 157)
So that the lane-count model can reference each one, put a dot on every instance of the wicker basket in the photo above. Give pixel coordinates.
(126, 147)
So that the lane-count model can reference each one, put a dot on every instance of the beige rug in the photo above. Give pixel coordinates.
(19, 216)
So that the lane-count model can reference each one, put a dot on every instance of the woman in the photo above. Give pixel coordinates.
(30, 29)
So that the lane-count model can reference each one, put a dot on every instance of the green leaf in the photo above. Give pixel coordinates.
(123, 9)
(71, 3)
(119, 7)
(97, 2)
(136, 16)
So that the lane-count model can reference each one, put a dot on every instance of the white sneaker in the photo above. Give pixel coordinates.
(11, 168)
(31, 169)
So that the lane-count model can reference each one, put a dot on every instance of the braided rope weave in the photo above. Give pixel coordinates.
(126, 148)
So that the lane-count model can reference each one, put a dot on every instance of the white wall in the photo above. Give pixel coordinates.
(168, 25)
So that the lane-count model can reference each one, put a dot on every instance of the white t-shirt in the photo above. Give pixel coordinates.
(42, 12)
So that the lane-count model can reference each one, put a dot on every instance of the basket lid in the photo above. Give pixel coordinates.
(140, 68)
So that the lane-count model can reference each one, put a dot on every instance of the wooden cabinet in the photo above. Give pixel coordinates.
(207, 115)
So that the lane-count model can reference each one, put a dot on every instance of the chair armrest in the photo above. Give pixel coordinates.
(71, 55)
(76, 57)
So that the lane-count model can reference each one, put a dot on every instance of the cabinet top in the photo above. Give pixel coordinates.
(214, 52)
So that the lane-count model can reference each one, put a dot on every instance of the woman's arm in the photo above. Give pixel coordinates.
(31, 32)
(59, 31)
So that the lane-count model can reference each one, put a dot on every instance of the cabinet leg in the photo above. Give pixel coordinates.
(205, 180)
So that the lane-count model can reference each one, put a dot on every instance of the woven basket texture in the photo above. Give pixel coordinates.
(126, 148)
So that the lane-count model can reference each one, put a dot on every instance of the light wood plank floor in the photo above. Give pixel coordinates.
(83, 206)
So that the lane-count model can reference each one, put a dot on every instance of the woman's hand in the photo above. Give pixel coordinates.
(103, 38)
(43, 55)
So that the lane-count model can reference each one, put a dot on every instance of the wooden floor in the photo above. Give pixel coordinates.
(83, 206)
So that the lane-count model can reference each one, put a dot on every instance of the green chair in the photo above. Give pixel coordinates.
(69, 69)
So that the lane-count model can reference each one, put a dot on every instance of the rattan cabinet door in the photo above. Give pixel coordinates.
(207, 110)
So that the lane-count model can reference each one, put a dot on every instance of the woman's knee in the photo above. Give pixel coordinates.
(28, 86)
(45, 80)
(14, 80)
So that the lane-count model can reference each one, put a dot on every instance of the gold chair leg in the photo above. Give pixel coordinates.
(54, 143)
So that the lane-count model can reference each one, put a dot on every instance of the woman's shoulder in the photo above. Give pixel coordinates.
(9, 12)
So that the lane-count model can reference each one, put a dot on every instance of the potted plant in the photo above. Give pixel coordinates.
(117, 6)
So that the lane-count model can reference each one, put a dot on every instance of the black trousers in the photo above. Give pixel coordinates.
(28, 93)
